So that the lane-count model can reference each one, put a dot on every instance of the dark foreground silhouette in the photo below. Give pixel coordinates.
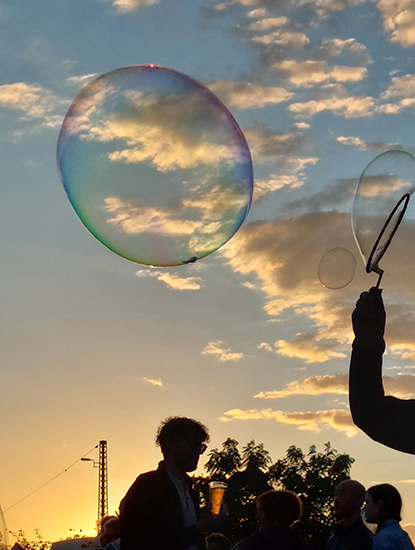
(384, 418)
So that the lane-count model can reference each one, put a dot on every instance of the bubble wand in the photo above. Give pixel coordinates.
(377, 254)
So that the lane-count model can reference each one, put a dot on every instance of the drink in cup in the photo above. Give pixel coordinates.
(217, 491)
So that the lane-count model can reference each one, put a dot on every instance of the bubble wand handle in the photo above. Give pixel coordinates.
(379, 279)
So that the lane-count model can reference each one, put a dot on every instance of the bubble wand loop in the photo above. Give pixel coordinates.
(373, 265)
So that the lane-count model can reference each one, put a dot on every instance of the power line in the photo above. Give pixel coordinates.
(50, 480)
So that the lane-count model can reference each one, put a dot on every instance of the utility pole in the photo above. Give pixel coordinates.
(102, 482)
(102, 464)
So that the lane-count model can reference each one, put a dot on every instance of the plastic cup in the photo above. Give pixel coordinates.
(217, 490)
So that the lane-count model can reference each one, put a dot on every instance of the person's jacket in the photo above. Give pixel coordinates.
(151, 515)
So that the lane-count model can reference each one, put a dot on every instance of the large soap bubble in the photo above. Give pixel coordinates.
(336, 268)
(381, 199)
(3, 532)
(155, 166)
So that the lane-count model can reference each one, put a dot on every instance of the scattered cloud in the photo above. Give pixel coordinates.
(399, 20)
(82, 79)
(135, 218)
(172, 280)
(310, 73)
(337, 101)
(401, 86)
(375, 146)
(180, 283)
(204, 217)
(265, 186)
(155, 128)
(273, 250)
(265, 142)
(126, 6)
(224, 354)
(282, 255)
(266, 346)
(333, 47)
(245, 95)
(153, 382)
(32, 100)
(267, 22)
(285, 150)
(304, 347)
(313, 385)
(336, 419)
(402, 386)
(338, 194)
(289, 39)
(325, 8)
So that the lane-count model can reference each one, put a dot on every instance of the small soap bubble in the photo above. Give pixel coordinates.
(336, 268)
(155, 166)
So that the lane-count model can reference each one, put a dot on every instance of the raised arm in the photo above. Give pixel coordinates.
(386, 419)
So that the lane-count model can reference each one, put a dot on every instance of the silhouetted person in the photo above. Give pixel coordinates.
(109, 528)
(385, 419)
(217, 541)
(277, 512)
(351, 534)
(383, 507)
(110, 532)
(161, 510)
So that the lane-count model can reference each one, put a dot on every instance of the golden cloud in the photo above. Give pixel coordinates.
(153, 382)
(179, 283)
(303, 348)
(336, 419)
(224, 355)
(126, 6)
(35, 101)
(155, 129)
(309, 73)
(165, 147)
(245, 95)
(399, 20)
(132, 218)
(291, 39)
(215, 211)
(172, 280)
(266, 346)
(401, 86)
(383, 186)
(268, 23)
(358, 143)
(264, 187)
(402, 386)
(349, 107)
(313, 385)
(336, 46)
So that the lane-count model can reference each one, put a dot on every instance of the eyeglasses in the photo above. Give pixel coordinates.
(197, 446)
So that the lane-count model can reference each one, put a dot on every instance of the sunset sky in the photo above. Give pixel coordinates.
(246, 340)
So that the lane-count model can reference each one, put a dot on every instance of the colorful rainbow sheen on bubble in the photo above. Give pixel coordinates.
(155, 166)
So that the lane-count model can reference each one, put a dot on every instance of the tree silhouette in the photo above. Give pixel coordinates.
(222, 464)
(38, 543)
(313, 477)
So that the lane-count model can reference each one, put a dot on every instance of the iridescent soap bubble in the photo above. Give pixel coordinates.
(3, 532)
(336, 268)
(381, 199)
(155, 166)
